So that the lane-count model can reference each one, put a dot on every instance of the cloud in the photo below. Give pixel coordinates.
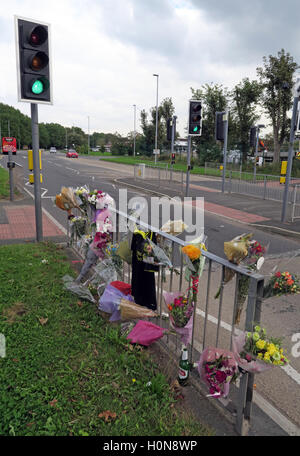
(104, 53)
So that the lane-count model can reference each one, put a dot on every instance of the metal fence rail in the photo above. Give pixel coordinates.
(296, 202)
(160, 174)
(209, 329)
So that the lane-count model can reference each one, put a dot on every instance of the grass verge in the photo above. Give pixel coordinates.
(4, 183)
(68, 372)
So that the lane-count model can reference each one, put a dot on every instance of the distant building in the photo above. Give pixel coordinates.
(180, 147)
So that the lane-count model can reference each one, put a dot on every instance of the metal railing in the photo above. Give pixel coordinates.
(296, 202)
(209, 325)
(160, 175)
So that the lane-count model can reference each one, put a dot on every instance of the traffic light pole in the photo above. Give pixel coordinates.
(187, 184)
(290, 160)
(36, 171)
(225, 148)
(173, 134)
(255, 154)
(11, 175)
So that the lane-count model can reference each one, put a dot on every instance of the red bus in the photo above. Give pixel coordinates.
(9, 144)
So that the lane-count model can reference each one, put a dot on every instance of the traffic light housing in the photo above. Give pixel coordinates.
(253, 136)
(173, 159)
(195, 118)
(220, 126)
(33, 61)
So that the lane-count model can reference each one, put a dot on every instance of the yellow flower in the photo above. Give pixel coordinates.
(261, 344)
(134, 380)
(267, 356)
(271, 349)
(276, 356)
(191, 251)
(260, 355)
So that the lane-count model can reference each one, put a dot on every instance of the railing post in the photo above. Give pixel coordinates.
(253, 313)
(265, 186)
(294, 202)
(230, 181)
(159, 177)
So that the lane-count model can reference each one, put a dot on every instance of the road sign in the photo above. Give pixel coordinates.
(298, 155)
(156, 151)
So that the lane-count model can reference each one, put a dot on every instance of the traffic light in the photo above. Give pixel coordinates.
(173, 159)
(195, 118)
(220, 126)
(169, 129)
(33, 61)
(253, 136)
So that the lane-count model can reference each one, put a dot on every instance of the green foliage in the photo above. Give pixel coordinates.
(65, 366)
(276, 78)
(245, 97)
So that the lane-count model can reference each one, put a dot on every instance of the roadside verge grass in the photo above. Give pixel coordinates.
(67, 371)
(4, 183)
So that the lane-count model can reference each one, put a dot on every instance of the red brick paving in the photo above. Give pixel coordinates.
(229, 212)
(22, 224)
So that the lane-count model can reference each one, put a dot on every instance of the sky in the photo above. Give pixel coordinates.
(105, 52)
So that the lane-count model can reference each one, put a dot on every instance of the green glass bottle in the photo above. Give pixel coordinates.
(184, 367)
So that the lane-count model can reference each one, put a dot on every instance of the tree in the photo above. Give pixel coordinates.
(245, 97)
(276, 77)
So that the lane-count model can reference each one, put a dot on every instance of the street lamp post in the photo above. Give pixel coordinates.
(134, 131)
(156, 122)
(88, 134)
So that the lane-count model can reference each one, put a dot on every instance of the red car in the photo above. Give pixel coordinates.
(72, 153)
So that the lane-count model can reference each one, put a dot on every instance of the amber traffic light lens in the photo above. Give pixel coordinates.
(39, 61)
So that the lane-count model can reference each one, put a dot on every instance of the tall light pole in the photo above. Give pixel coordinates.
(134, 130)
(88, 134)
(156, 122)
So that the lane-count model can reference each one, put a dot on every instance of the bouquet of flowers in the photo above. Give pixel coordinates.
(181, 312)
(78, 226)
(66, 200)
(218, 369)
(111, 251)
(256, 352)
(195, 264)
(82, 193)
(235, 250)
(282, 283)
(253, 262)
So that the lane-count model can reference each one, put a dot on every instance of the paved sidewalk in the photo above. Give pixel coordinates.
(17, 222)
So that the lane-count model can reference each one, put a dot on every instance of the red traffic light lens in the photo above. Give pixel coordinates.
(39, 61)
(196, 107)
(38, 36)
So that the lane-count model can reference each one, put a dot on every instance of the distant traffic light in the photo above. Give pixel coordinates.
(195, 118)
(220, 126)
(33, 61)
(253, 136)
(169, 129)
(173, 159)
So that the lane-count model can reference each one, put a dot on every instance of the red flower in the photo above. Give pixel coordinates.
(278, 274)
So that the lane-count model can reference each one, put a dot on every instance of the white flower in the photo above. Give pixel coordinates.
(44, 261)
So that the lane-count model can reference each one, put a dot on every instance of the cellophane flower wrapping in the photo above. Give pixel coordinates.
(78, 288)
(254, 365)
(185, 332)
(145, 333)
(217, 368)
(252, 262)
(110, 302)
(130, 310)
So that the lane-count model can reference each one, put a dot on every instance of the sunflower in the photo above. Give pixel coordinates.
(192, 252)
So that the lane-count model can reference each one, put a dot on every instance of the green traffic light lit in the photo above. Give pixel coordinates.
(196, 129)
(37, 87)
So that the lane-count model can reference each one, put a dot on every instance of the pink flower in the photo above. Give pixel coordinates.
(248, 358)
(221, 376)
